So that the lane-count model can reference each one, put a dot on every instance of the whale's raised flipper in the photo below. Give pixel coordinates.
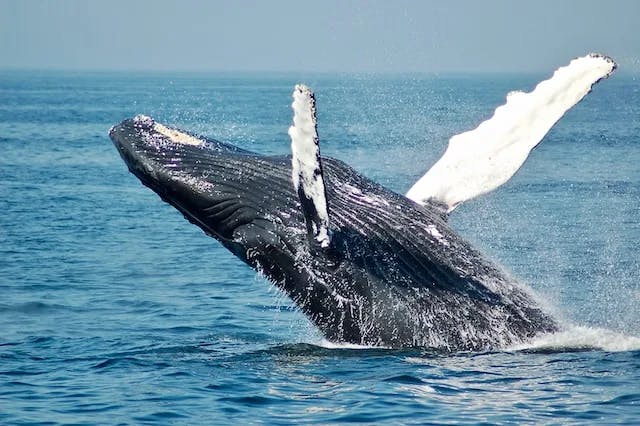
(306, 172)
(480, 160)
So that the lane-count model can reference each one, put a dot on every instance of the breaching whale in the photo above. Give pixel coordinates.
(366, 265)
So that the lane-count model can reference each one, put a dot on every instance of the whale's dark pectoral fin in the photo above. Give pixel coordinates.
(306, 170)
(480, 160)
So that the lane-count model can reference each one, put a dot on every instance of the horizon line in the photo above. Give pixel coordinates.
(288, 72)
(264, 71)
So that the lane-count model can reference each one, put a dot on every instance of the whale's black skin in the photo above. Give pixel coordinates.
(395, 274)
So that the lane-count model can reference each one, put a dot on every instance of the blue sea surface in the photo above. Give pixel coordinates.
(116, 310)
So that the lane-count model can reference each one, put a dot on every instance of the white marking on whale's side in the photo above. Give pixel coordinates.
(431, 229)
(177, 136)
(480, 160)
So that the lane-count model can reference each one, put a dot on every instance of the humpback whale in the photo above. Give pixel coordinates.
(366, 265)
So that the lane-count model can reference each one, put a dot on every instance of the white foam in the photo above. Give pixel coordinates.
(324, 343)
(422, 390)
(480, 160)
(580, 337)
(571, 339)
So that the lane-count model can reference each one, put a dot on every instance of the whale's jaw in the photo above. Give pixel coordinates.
(200, 177)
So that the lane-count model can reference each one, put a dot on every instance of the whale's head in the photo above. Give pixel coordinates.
(244, 200)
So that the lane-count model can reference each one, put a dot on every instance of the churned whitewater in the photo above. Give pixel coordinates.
(114, 309)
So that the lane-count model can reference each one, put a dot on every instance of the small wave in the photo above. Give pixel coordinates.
(582, 338)
(323, 348)
(574, 338)
(35, 307)
(324, 343)
(405, 379)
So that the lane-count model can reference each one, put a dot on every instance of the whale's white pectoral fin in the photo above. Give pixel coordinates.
(480, 160)
(306, 171)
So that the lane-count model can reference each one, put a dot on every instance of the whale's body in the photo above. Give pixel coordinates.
(395, 275)
(366, 265)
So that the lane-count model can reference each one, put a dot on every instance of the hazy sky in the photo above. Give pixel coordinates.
(350, 36)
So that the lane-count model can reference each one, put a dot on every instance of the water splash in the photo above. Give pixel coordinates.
(324, 343)
(582, 338)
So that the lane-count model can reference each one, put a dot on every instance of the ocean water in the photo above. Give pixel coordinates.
(116, 310)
